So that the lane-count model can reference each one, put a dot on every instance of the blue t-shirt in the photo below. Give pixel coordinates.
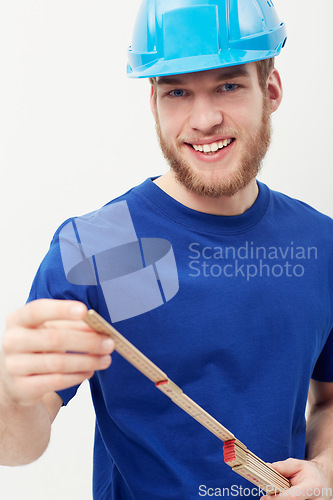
(236, 310)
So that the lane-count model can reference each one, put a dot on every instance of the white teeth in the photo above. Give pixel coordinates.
(212, 148)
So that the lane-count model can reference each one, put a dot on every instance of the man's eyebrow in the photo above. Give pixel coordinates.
(167, 80)
(224, 75)
(233, 73)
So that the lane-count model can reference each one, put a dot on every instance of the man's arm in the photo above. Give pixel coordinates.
(320, 427)
(47, 347)
(313, 478)
(25, 430)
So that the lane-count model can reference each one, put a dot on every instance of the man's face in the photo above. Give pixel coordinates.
(214, 127)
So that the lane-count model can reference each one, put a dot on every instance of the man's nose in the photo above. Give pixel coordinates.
(205, 114)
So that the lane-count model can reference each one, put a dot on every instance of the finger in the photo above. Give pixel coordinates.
(33, 388)
(67, 325)
(54, 340)
(33, 364)
(35, 313)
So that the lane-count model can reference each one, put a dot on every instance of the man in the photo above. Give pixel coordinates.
(223, 283)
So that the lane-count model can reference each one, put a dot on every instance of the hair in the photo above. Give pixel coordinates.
(264, 69)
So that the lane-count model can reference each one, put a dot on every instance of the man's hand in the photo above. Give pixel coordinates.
(47, 347)
(309, 480)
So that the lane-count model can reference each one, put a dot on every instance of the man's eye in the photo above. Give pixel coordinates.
(177, 93)
(228, 87)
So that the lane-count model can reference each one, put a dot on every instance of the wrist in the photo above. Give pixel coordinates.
(324, 462)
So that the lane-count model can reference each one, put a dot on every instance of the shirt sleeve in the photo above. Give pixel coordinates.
(323, 371)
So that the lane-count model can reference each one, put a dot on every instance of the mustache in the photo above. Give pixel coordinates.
(193, 139)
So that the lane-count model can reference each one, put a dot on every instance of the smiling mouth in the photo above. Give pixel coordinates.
(210, 149)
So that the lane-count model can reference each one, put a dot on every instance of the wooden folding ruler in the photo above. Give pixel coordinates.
(236, 454)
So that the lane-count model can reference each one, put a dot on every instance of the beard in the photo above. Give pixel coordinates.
(255, 149)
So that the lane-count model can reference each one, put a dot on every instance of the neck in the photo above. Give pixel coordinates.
(224, 205)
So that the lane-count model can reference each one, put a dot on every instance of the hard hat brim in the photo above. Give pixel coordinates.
(200, 63)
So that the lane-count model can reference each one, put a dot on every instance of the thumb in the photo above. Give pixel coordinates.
(289, 467)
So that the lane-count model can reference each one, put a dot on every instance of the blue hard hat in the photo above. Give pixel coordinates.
(183, 36)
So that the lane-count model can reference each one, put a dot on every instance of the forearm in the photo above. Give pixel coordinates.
(319, 437)
(24, 432)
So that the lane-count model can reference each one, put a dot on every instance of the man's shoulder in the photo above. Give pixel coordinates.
(87, 243)
(298, 209)
(116, 211)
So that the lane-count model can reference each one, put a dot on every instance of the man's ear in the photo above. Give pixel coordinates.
(153, 99)
(275, 91)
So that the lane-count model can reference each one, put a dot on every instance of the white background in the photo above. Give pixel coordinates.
(75, 132)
